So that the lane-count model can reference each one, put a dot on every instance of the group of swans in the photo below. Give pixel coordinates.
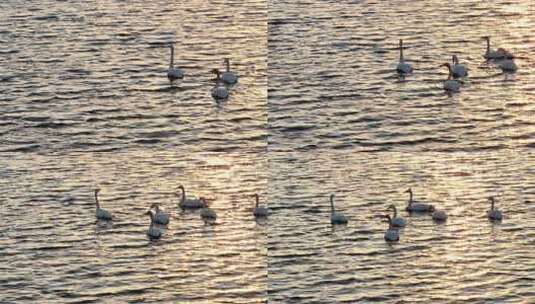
(222, 81)
(396, 222)
(159, 217)
(456, 71)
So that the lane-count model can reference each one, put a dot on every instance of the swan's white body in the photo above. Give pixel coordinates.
(208, 214)
(494, 214)
(160, 216)
(439, 215)
(403, 68)
(219, 91)
(451, 85)
(229, 77)
(336, 217)
(174, 73)
(458, 70)
(508, 65)
(190, 203)
(418, 207)
(500, 53)
(259, 211)
(153, 232)
(397, 221)
(101, 214)
(391, 234)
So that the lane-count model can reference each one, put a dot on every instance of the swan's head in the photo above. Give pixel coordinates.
(255, 196)
(227, 60)
(454, 59)
(400, 42)
(487, 38)
(180, 187)
(491, 199)
(97, 190)
(155, 206)
(332, 197)
(391, 207)
(388, 218)
(203, 200)
(447, 64)
(215, 71)
(171, 46)
(408, 190)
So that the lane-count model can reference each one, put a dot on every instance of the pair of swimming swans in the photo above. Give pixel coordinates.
(505, 58)
(220, 90)
(207, 214)
(455, 71)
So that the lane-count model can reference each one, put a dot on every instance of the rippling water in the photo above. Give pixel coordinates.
(86, 103)
(53, 250)
(91, 76)
(341, 121)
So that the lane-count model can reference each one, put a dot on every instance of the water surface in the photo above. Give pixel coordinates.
(341, 121)
(86, 103)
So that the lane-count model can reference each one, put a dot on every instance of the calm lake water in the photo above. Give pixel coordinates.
(86, 103)
(341, 121)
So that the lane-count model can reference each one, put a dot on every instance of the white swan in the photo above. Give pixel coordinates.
(458, 70)
(160, 216)
(101, 214)
(207, 214)
(174, 73)
(451, 85)
(500, 53)
(439, 215)
(219, 91)
(508, 66)
(418, 207)
(391, 234)
(336, 218)
(189, 203)
(494, 214)
(229, 77)
(397, 221)
(153, 232)
(259, 211)
(403, 67)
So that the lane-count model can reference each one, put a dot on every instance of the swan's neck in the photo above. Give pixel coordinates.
(151, 219)
(410, 198)
(449, 76)
(488, 45)
(400, 51)
(492, 205)
(256, 204)
(228, 65)
(172, 61)
(332, 205)
(183, 198)
(96, 200)
(395, 212)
